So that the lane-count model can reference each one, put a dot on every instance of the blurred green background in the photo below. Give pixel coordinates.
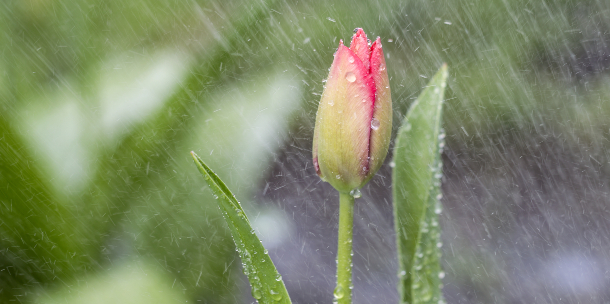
(101, 102)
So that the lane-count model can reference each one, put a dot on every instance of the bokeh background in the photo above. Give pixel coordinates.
(101, 102)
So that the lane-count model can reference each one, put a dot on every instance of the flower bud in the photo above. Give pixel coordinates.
(354, 118)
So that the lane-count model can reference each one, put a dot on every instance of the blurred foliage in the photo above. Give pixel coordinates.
(129, 282)
(100, 102)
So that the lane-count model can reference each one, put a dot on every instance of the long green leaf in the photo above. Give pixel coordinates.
(416, 190)
(267, 284)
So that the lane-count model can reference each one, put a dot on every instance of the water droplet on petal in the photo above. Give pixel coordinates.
(356, 193)
(350, 77)
(351, 60)
(382, 67)
(375, 124)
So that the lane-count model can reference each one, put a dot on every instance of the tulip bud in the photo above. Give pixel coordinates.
(354, 119)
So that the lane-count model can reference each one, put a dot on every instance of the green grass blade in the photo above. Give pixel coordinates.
(267, 284)
(416, 190)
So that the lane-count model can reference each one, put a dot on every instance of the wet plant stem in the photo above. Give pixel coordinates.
(343, 291)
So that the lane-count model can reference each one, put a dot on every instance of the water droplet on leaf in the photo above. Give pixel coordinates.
(256, 293)
(275, 295)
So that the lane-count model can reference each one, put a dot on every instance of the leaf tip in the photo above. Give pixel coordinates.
(195, 157)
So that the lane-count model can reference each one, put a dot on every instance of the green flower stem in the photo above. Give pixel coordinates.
(343, 292)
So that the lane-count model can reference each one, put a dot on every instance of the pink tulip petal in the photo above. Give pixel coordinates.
(380, 137)
(360, 47)
(343, 122)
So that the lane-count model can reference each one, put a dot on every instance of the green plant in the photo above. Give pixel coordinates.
(416, 188)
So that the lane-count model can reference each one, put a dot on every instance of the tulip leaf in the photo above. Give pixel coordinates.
(267, 284)
(416, 191)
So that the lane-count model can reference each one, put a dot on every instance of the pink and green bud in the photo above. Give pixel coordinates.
(354, 119)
